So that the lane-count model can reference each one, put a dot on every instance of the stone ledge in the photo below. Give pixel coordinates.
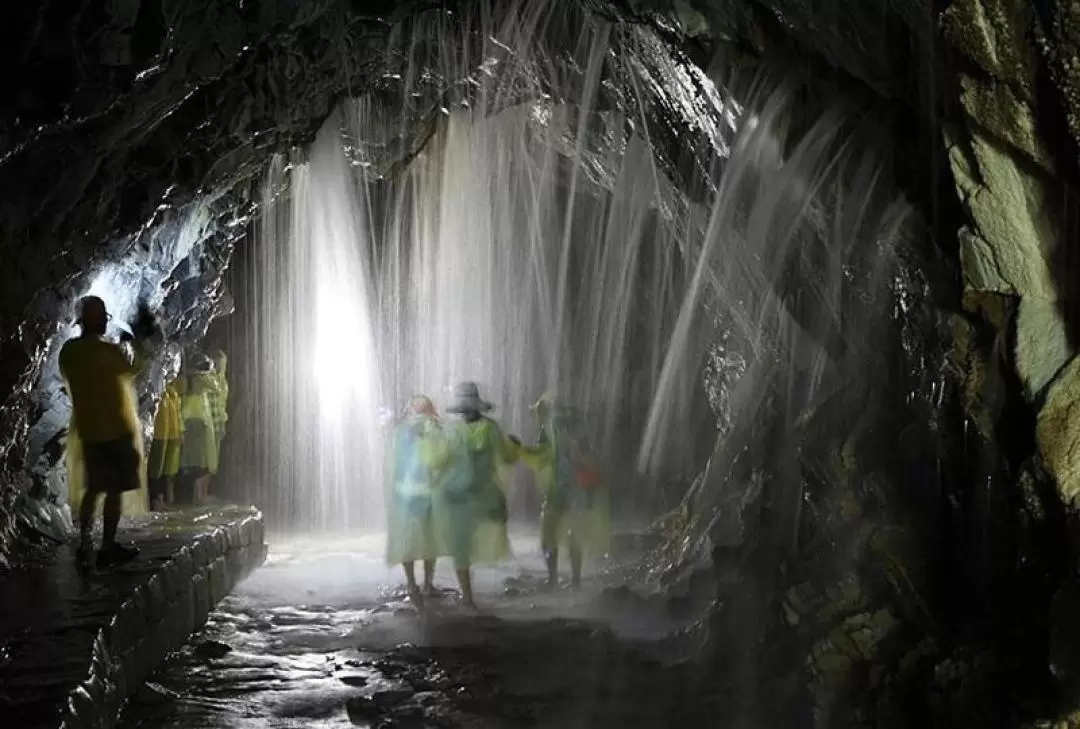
(73, 649)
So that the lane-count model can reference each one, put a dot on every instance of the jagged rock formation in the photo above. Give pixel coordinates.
(125, 117)
(931, 499)
(933, 614)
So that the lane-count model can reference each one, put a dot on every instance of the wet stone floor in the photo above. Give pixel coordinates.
(323, 636)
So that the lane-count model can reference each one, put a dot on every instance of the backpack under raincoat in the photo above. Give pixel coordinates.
(575, 500)
(470, 496)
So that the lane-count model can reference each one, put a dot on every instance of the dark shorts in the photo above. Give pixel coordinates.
(111, 467)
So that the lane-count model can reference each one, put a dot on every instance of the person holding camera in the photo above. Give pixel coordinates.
(105, 451)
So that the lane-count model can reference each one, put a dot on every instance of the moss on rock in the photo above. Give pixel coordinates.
(992, 34)
(1058, 432)
(1042, 343)
(1002, 109)
(1059, 37)
(1007, 201)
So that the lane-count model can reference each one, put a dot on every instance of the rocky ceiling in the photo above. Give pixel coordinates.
(136, 125)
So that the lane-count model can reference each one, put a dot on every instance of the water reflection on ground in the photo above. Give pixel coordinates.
(323, 636)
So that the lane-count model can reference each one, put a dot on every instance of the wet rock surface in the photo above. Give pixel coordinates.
(72, 648)
(327, 638)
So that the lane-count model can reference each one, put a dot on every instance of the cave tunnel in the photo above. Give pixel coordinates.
(802, 273)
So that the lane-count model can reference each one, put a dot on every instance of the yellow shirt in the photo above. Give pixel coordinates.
(99, 380)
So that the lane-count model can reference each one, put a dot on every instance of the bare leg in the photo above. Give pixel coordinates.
(202, 488)
(429, 576)
(551, 556)
(410, 583)
(410, 575)
(86, 520)
(86, 515)
(111, 553)
(465, 580)
(113, 505)
(170, 492)
(86, 531)
(575, 563)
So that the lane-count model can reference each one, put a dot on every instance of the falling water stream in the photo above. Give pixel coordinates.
(531, 232)
(539, 200)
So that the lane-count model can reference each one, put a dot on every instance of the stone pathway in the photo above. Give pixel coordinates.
(324, 637)
(71, 646)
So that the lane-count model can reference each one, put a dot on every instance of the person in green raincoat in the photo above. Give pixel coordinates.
(411, 535)
(218, 398)
(470, 498)
(163, 462)
(198, 453)
(575, 512)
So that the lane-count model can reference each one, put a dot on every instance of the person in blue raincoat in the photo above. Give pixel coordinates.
(576, 510)
(470, 498)
(411, 536)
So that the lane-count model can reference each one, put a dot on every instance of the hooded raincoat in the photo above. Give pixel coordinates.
(576, 504)
(111, 411)
(410, 501)
(470, 497)
(164, 458)
(218, 398)
(199, 451)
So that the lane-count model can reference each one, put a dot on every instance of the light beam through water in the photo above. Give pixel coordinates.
(578, 213)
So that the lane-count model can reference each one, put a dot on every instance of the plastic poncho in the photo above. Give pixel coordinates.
(163, 460)
(576, 503)
(218, 396)
(411, 527)
(199, 448)
(169, 423)
(99, 370)
(470, 496)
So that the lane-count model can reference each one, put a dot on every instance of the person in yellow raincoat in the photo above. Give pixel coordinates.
(411, 535)
(576, 510)
(198, 454)
(218, 398)
(104, 443)
(163, 463)
(470, 501)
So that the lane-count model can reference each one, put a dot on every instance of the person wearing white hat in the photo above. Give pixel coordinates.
(471, 507)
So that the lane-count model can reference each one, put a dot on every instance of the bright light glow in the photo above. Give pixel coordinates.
(343, 364)
(118, 287)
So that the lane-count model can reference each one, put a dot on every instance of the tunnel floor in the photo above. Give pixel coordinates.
(322, 636)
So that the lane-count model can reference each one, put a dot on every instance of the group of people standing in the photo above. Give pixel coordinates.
(104, 449)
(449, 480)
(189, 429)
(448, 477)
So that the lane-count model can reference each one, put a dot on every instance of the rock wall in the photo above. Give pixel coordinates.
(935, 511)
(124, 118)
(901, 611)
